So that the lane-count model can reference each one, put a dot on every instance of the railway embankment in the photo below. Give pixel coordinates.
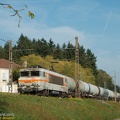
(33, 107)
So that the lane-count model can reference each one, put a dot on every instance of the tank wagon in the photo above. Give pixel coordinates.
(45, 82)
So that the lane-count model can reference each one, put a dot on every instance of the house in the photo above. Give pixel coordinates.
(4, 76)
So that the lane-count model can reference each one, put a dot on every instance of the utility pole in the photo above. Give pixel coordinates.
(115, 85)
(77, 66)
(10, 89)
(105, 84)
(10, 67)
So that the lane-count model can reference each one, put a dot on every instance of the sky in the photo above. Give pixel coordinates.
(95, 22)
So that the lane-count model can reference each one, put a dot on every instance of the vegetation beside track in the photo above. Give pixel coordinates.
(30, 107)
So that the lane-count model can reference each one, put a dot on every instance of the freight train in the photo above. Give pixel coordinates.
(45, 82)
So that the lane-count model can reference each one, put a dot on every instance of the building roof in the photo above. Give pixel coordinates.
(6, 64)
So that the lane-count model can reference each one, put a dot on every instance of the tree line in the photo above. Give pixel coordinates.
(41, 47)
(25, 46)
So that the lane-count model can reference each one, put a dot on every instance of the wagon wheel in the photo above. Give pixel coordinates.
(62, 94)
(46, 93)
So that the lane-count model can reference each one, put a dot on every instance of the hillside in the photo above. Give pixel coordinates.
(28, 107)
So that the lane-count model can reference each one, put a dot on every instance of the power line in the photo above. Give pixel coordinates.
(6, 41)
(5, 36)
(9, 38)
(3, 40)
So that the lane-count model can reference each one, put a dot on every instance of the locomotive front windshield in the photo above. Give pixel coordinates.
(24, 73)
(29, 73)
(35, 73)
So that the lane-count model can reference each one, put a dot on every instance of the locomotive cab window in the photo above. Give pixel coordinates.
(24, 73)
(35, 73)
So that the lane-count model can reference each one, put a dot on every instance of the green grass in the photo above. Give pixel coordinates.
(28, 107)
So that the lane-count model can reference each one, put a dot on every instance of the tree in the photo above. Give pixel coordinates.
(90, 61)
(17, 12)
(118, 88)
(1, 52)
(102, 77)
(24, 47)
(82, 55)
(42, 47)
(15, 74)
(58, 53)
(70, 51)
(51, 47)
(64, 48)
(6, 51)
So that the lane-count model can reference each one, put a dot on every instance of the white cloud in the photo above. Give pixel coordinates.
(58, 34)
(33, 29)
(64, 34)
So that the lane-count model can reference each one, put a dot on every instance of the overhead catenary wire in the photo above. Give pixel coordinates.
(5, 36)
(13, 40)
(8, 38)
(3, 40)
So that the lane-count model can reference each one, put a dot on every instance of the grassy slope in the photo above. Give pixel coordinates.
(27, 107)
